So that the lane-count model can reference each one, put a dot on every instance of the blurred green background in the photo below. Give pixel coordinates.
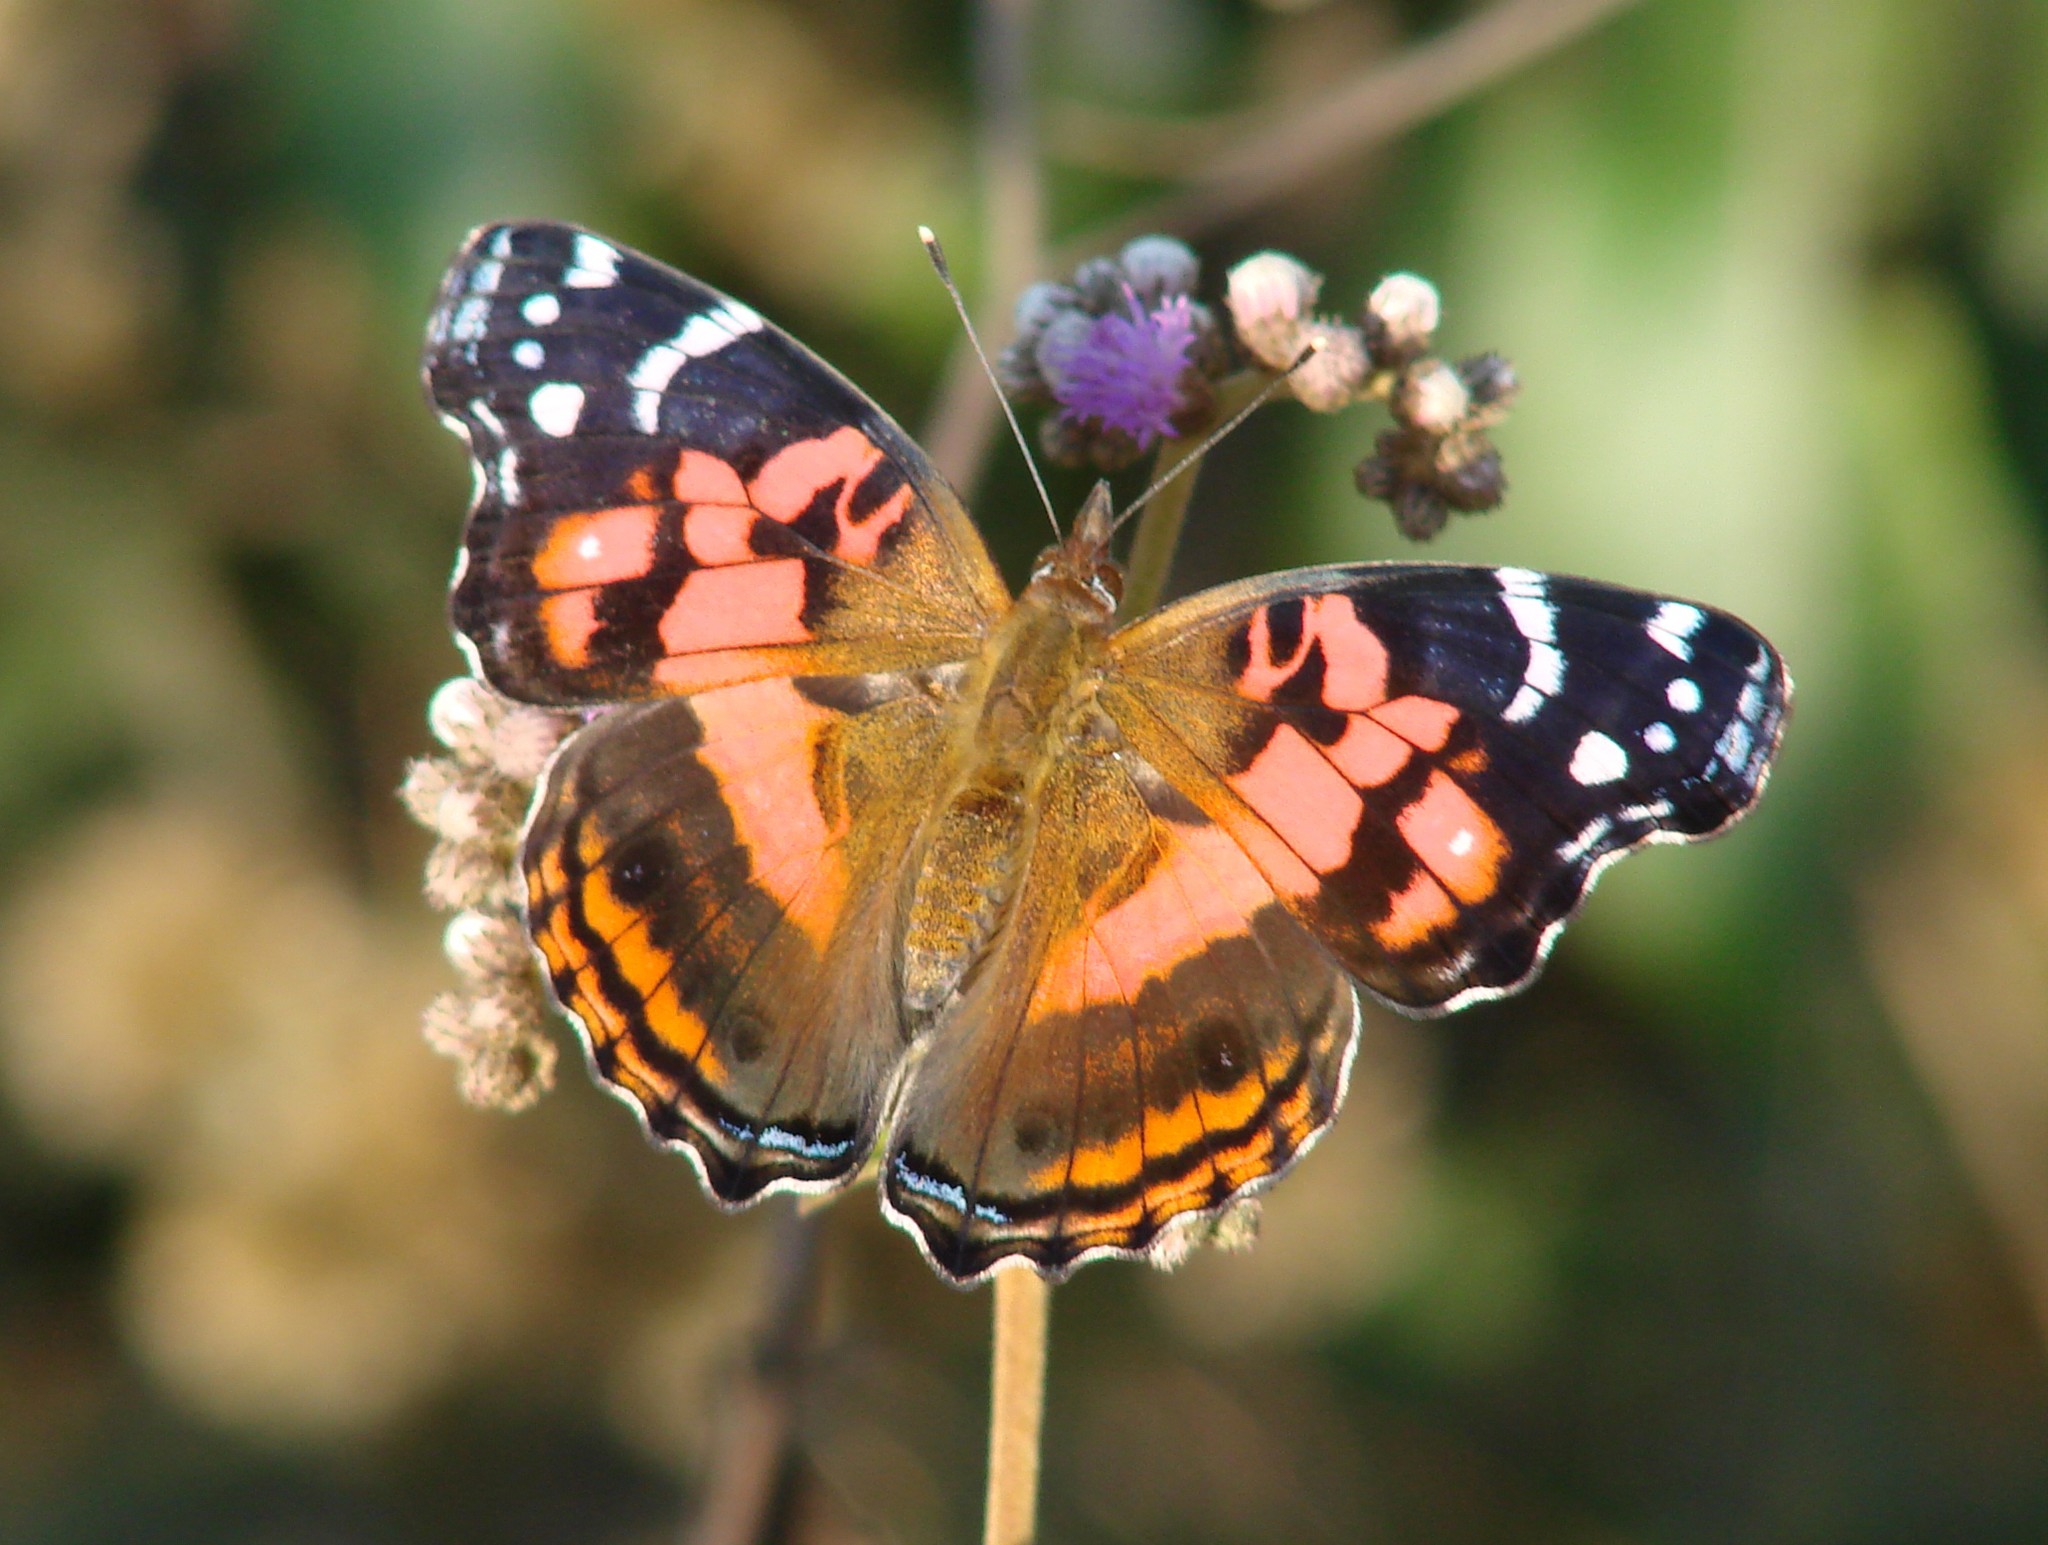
(1735, 1229)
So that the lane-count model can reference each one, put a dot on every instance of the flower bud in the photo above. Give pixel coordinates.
(1432, 398)
(1332, 377)
(464, 875)
(510, 1077)
(1270, 294)
(486, 945)
(1159, 266)
(525, 739)
(428, 780)
(1490, 379)
(463, 714)
(1100, 284)
(1401, 316)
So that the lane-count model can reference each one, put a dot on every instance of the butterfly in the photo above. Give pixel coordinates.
(1066, 921)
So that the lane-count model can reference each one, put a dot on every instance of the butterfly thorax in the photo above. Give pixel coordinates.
(1028, 700)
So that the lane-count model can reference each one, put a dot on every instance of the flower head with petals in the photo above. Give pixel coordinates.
(1129, 371)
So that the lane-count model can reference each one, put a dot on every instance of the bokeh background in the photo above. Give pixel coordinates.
(1735, 1229)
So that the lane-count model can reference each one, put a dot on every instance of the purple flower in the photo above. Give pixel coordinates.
(1127, 371)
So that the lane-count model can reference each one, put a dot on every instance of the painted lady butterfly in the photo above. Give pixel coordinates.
(1071, 917)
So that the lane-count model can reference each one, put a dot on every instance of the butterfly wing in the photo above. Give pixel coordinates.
(714, 883)
(680, 509)
(1430, 764)
(672, 494)
(1152, 1034)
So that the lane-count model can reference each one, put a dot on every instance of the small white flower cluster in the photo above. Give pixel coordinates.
(1272, 304)
(1437, 460)
(474, 800)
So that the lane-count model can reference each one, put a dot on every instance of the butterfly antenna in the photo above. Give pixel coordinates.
(1209, 440)
(938, 256)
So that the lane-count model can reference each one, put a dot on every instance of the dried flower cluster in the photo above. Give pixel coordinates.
(1128, 358)
(474, 799)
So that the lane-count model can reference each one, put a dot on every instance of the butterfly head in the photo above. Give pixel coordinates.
(1077, 573)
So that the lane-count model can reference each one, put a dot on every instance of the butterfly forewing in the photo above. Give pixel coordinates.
(672, 493)
(1431, 763)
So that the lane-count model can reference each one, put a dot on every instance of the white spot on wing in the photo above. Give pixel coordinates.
(480, 410)
(483, 280)
(593, 264)
(1673, 625)
(705, 333)
(1525, 594)
(1734, 745)
(528, 355)
(1598, 760)
(1597, 828)
(1660, 738)
(1460, 844)
(508, 475)
(1683, 694)
(556, 407)
(467, 325)
(541, 309)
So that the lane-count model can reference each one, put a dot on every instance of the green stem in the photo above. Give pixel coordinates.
(1159, 527)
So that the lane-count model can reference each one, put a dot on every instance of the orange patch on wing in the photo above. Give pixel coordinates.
(716, 534)
(1201, 888)
(1354, 659)
(737, 606)
(1367, 754)
(795, 475)
(1416, 913)
(570, 622)
(761, 742)
(599, 547)
(1305, 800)
(705, 672)
(1456, 839)
(1422, 721)
(702, 478)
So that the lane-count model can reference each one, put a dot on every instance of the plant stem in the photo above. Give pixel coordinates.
(1150, 565)
(1023, 1306)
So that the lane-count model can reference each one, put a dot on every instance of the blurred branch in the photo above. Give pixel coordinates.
(752, 1477)
(1382, 101)
(1013, 216)
(1957, 943)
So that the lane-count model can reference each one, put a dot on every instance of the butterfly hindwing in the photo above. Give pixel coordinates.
(713, 884)
(1431, 763)
(672, 493)
(1152, 1035)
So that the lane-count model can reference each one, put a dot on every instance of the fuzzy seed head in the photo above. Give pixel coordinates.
(1270, 294)
(1433, 399)
(463, 715)
(1406, 309)
(1335, 374)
